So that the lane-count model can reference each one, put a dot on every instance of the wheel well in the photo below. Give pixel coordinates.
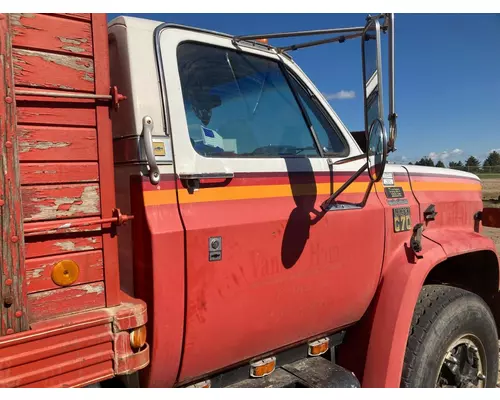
(477, 272)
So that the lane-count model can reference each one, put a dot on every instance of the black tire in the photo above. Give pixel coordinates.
(442, 315)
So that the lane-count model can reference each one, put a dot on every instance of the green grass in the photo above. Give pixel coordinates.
(488, 176)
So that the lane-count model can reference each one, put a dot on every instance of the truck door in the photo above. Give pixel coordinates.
(254, 143)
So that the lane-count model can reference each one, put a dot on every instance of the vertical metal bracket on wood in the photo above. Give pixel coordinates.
(13, 288)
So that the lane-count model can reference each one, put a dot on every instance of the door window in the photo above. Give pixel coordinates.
(242, 105)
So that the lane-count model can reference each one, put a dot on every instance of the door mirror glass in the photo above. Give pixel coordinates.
(377, 150)
(372, 73)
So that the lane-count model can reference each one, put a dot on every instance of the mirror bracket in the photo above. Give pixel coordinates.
(325, 206)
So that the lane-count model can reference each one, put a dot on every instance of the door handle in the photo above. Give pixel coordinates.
(147, 136)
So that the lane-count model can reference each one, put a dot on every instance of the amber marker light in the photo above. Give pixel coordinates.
(265, 41)
(264, 367)
(138, 337)
(65, 273)
(318, 347)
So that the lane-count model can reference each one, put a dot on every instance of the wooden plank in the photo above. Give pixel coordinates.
(52, 303)
(62, 172)
(56, 114)
(105, 147)
(80, 16)
(52, 71)
(49, 143)
(39, 270)
(38, 246)
(45, 32)
(60, 201)
(13, 315)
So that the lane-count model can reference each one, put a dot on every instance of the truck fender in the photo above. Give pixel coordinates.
(402, 280)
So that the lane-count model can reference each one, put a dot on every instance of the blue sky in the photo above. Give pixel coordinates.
(447, 74)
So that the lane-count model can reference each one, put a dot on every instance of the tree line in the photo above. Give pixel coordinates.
(493, 160)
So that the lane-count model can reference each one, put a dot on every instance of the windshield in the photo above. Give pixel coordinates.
(243, 105)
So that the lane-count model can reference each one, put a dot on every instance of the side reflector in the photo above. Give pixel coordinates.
(262, 368)
(65, 273)
(318, 347)
(204, 384)
(138, 337)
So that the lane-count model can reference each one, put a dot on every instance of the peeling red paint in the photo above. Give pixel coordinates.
(53, 71)
(11, 229)
(39, 270)
(60, 201)
(74, 172)
(46, 143)
(45, 32)
(66, 170)
(61, 301)
(61, 244)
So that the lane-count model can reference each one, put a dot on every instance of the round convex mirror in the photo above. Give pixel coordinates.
(377, 150)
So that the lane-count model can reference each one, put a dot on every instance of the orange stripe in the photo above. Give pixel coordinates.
(159, 197)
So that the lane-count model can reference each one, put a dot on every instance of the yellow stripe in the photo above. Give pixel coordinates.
(446, 186)
(158, 197)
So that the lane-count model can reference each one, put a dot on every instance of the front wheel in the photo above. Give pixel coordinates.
(453, 341)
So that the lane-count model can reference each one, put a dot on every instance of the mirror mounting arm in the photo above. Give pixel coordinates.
(325, 206)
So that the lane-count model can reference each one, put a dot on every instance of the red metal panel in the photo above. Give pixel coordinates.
(57, 343)
(45, 32)
(162, 288)
(52, 71)
(71, 172)
(60, 244)
(13, 316)
(79, 378)
(53, 113)
(50, 143)
(51, 367)
(106, 166)
(39, 270)
(67, 300)
(60, 201)
(291, 271)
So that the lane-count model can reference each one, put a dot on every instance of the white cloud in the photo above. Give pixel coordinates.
(342, 95)
(445, 155)
(397, 159)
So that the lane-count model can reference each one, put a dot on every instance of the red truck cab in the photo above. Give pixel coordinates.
(263, 230)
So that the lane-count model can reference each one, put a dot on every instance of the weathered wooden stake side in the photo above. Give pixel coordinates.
(272, 247)
(64, 320)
